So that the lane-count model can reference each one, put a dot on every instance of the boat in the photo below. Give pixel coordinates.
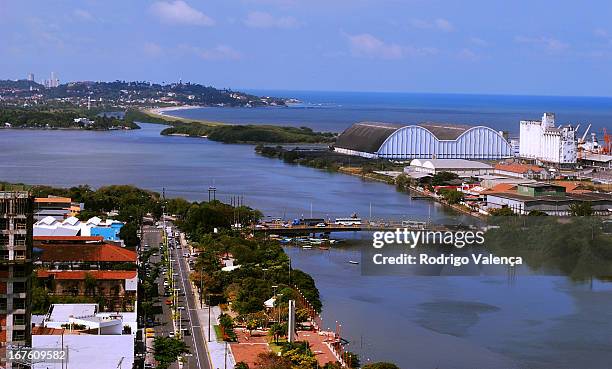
(307, 247)
(353, 262)
(322, 247)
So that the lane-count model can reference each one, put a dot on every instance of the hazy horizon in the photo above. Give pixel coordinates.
(524, 48)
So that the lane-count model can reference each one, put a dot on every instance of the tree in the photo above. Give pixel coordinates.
(443, 178)
(537, 213)
(582, 209)
(270, 360)
(402, 182)
(452, 196)
(90, 284)
(251, 325)
(276, 331)
(241, 365)
(352, 359)
(167, 350)
(501, 212)
(381, 365)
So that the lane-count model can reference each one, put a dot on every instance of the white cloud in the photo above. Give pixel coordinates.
(266, 20)
(152, 49)
(548, 43)
(367, 45)
(220, 52)
(439, 24)
(83, 15)
(179, 12)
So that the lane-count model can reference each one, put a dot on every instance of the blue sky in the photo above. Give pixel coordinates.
(537, 47)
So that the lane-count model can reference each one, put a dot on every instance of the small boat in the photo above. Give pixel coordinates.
(307, 247)
(353, 262)
(323, 247)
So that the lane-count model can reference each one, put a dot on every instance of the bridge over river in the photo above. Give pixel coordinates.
(365, 226)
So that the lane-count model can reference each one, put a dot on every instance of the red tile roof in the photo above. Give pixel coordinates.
(52, 199)
(518, 168)
(39, 331)
(501, 187)
(86, 252)
(81, 274)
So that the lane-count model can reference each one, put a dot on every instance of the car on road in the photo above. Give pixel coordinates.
(186, 255)
(186, 332)
(168, 302)
(320, 225)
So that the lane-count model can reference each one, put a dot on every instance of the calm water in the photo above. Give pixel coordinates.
(418, 322)
(335, 111)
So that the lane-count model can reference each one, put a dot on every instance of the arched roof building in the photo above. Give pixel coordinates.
(423, 141)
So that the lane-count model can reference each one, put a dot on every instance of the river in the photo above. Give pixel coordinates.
(417, 322)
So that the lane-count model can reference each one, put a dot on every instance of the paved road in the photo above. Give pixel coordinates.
(198, 358)
(198, 344)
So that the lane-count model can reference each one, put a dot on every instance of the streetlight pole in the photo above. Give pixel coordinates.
(208, 318)
(201, 286)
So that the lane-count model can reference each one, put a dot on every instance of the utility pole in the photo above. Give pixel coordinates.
(201, 286)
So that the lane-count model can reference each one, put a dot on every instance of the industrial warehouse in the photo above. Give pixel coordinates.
(423, 141)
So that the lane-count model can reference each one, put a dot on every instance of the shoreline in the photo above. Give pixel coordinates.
(164, 113)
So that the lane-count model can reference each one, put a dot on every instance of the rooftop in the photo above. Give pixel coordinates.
(85, 253)
(52, 199)
(518, 168)
(82, 274)
(63, 312)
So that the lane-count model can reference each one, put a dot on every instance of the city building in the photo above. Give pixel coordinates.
(422, 141)
(31, 77)
(16, 217)
(549, 198)
(109, 229)
(518, 170)
(56, 206)
(461, 167)
(86, 333)
(86, 122)
(89, 267)
(542, 141)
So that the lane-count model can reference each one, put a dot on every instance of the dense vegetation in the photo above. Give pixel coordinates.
(323, 158)
(250, 133)
(579, 247)
(64, 118)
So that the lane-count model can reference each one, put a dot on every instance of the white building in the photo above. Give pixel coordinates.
(89, 351)
(87, 317)
(542, 141)
(72, 226)
(462, 168)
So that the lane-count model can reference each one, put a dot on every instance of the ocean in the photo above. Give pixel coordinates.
(335, 111)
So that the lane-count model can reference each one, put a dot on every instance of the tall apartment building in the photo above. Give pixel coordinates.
(16, 218)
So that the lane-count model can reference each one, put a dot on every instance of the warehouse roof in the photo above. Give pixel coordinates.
(444, 131)
(366, 136)
(369, 136)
